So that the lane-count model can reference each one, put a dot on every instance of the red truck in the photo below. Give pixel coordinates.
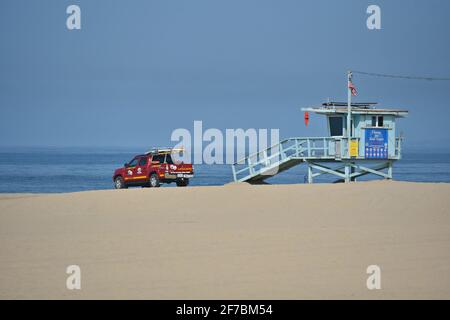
(151, 169)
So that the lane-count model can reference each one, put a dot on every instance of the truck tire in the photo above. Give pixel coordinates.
(119, 183)
(153, 181)
(182, 182)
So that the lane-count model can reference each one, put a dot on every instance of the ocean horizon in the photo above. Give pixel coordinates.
(57, 169)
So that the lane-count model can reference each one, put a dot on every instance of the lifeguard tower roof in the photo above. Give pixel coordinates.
(357, 108)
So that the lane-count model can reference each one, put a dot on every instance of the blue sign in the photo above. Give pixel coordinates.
(376, 145)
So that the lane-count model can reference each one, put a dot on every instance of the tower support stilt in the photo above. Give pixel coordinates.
(348, 171)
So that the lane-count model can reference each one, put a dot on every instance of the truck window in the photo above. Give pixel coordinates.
(133, 162)
(143, 161)
(169, 159)
(158, 157)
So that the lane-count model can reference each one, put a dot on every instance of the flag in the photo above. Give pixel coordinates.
(352, 88)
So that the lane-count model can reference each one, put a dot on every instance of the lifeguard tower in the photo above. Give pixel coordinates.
(371, 146)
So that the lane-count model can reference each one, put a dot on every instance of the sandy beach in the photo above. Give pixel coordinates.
(229, 242)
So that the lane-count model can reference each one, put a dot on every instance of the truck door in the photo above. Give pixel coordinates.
(142, 170)
(130, 171)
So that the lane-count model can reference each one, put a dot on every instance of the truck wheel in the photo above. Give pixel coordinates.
(182, 182)
(119, 183)
(153, 181)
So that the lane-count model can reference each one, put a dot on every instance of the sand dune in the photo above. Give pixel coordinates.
(235, 241)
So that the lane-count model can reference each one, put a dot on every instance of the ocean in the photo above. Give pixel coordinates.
(53, 170)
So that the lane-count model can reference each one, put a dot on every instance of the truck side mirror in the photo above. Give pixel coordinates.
(126, 165)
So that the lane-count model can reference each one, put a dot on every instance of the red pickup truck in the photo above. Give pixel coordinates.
(151, 169)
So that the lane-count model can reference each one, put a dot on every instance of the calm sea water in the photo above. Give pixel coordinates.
(44, 170)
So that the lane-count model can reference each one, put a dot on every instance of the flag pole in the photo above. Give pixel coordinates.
(349, 111)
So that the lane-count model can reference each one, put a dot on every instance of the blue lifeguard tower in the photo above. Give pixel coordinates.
(362, 139)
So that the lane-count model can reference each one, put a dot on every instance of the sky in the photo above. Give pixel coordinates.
(137, 70)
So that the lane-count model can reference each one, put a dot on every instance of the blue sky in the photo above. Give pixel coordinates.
(137, 70)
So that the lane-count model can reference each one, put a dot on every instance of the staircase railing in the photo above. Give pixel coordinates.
(289, 149)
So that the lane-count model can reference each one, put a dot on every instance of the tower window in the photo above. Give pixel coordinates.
(377, 121)
(336, 126)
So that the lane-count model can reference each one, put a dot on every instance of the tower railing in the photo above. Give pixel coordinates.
(398, 147)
